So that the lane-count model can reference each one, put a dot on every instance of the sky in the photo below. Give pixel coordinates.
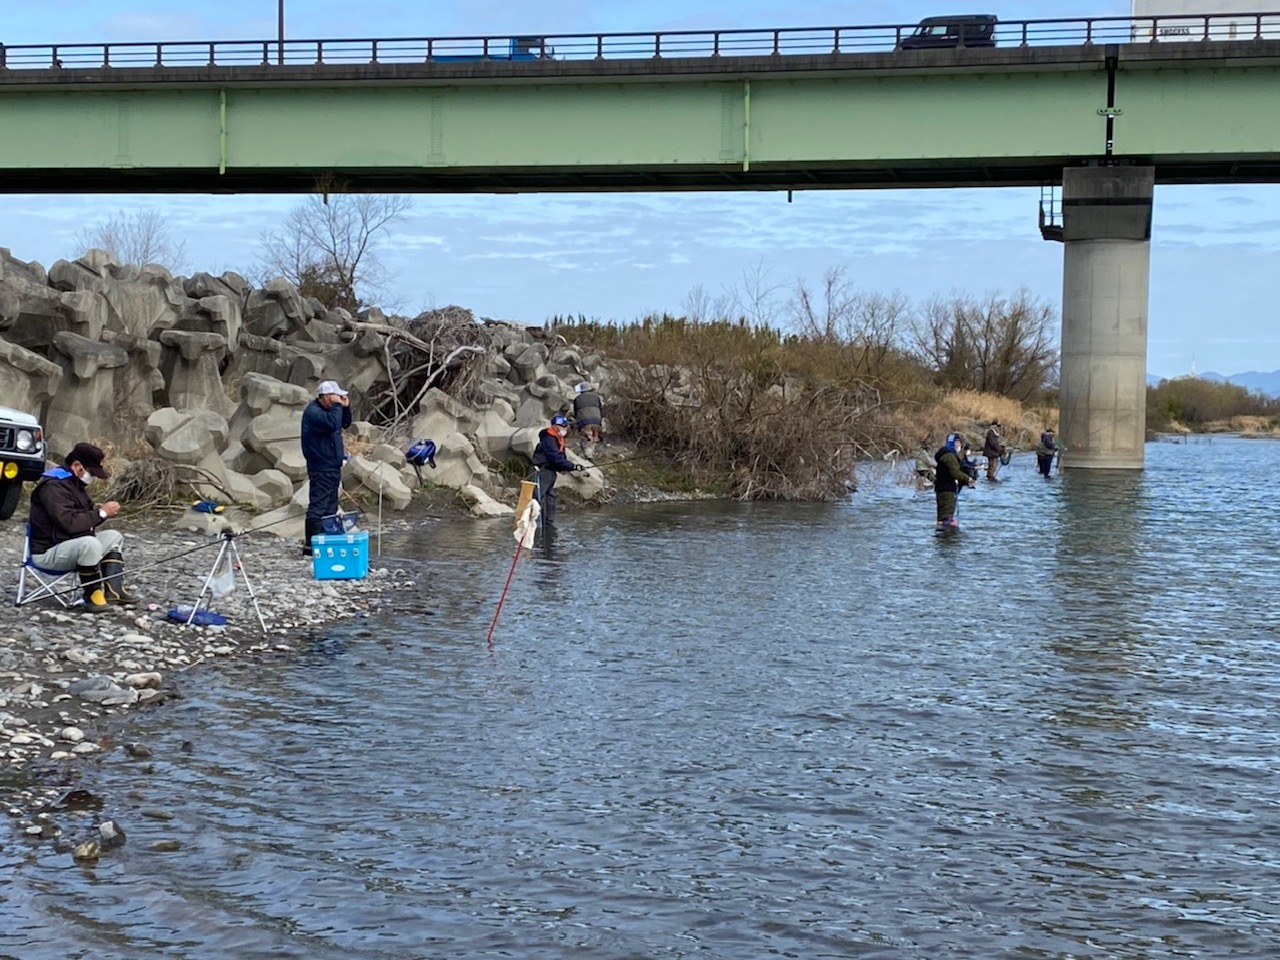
(620, 256)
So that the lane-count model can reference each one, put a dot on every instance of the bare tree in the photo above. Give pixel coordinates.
(829, 314)
(140, 237)
(756, 297)
(997, 344)
(327, 245)
(841, 314)
(701, 307)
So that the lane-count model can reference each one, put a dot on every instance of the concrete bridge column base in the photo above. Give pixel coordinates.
(1106, 269)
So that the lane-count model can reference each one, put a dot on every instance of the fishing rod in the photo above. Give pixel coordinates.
(640, 456)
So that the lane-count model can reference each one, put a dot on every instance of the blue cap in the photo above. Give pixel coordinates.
(559, 420)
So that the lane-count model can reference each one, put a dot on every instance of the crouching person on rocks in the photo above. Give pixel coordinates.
(550, 459)
(65, 532)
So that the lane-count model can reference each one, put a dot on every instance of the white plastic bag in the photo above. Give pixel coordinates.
(224, 580)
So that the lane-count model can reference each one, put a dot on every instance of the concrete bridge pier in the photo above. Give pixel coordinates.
(1106, 232)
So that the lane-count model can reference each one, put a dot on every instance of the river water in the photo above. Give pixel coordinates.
(736, 731)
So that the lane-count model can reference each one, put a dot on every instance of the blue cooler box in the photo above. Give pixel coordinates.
(340, 556)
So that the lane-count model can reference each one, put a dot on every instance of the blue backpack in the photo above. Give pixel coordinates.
(422, 453)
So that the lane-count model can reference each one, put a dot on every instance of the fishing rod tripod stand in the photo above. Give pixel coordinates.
(226, 552)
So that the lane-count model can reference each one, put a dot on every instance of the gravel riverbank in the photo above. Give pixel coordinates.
(66, 675)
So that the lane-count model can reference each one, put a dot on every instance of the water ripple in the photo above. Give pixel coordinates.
(721, 730)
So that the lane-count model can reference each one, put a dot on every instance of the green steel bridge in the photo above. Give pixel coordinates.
(775, 109)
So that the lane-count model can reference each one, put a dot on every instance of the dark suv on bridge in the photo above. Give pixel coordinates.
(961, 30)
(21, 456)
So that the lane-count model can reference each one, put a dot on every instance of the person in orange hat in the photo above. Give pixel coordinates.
(67, 529)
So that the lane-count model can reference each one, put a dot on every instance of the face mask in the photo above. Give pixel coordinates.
(86, 478)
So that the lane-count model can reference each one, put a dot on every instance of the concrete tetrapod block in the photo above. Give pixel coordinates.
(551, 389)
(359, 374)
(190, 363)
(286, 521)
(274, 310)
(528, 361)
(208, 477)
(496, 366)
(375, 477)
(88, 312)
(209, 524)
(201, 285)
(85, 402)
(456, 464)
(260, 393)
(181, 436)
(587, 484)
(278, 437)
(140, 379)
(243, 460)
(27, 380)
(493, 434)
(386, 453)
(524, 441)
(245, 489)
(212, 314)
(275, 484)
(364, 430)
(440, 415)
(483, 505)
(153, 301)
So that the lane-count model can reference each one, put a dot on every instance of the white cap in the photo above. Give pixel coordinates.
(330, 386)
(582, 387)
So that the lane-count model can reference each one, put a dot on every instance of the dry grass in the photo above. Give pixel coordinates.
(970, 413)
(975, 407)
(1254, 426)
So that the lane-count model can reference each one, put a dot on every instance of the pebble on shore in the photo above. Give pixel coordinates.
(64, 675)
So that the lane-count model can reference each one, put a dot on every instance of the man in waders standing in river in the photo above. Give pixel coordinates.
(949, 477)
(550, 459)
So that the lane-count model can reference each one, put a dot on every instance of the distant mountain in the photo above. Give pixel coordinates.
(1267, 383)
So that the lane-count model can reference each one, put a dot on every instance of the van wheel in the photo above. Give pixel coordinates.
(9, 494)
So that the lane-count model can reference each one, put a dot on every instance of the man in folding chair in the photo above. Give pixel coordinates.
(64, 526)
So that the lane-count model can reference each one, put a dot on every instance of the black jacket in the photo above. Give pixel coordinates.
(61, 510)
(950, 476)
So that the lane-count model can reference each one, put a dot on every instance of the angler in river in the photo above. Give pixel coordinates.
(1045, 453)
(950, 476)
(550, 459)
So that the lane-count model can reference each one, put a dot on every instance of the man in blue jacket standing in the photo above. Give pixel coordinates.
(323, 421)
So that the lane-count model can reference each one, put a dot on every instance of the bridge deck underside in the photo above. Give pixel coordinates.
(975, 173)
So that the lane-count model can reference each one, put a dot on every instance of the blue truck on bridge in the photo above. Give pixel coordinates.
(517, 48)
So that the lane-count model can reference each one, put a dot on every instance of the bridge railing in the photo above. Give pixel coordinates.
(682, 44)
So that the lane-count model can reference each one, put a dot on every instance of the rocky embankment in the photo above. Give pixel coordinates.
(207, 377)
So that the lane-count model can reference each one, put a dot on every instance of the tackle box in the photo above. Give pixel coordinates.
(340, 556)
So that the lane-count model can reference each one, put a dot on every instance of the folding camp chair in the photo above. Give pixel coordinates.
(48, 583)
